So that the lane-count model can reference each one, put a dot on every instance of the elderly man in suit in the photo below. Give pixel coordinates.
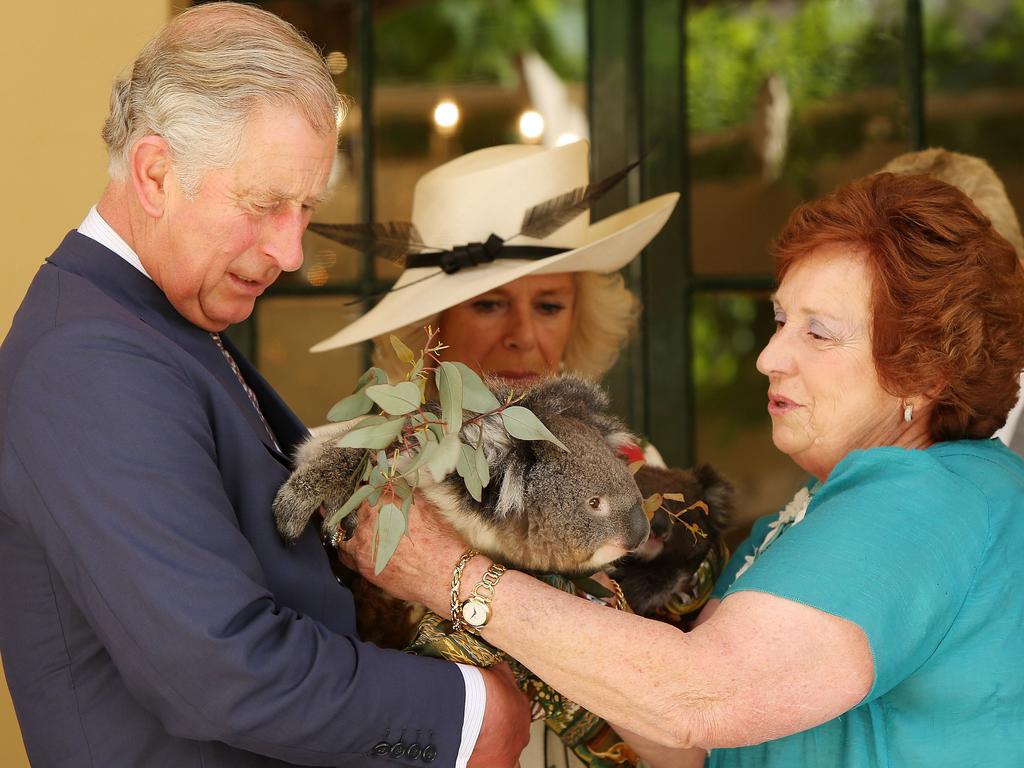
(149, 615)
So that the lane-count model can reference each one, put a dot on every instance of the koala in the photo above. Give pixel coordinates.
(663, 567)
(544, 510)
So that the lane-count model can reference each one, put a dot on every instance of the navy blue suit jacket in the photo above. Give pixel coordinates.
(149, 615)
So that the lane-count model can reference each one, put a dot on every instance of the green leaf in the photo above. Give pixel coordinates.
(372, 375)
(482, 470)
(375, 436)
(449, 387)
(357, 498)
(354, 405)
(395, 399)
(422, 457)
(390, 527)
(476, 397)
(444, 459)
(437, 430)
(520, 422)
(466, 466)
(382, 462)
(404, 353)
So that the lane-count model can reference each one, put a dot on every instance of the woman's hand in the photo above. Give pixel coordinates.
(420, 570)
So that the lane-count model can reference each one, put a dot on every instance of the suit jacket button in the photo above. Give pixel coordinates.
(414, 750)
(381, 748)
(398, 749)
(429, 753)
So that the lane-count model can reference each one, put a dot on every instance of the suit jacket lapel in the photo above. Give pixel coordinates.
(127, 286)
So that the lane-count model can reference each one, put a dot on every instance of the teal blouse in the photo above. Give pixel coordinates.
(924, 551)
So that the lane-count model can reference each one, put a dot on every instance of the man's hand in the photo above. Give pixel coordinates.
(506, 726)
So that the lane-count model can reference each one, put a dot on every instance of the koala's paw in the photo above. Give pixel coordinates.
(294, 506)
(324, 478)
(718, 493)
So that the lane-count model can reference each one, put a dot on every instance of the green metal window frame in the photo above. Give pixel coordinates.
(635, 102)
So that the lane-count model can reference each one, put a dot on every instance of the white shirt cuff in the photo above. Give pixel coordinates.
(473, 717)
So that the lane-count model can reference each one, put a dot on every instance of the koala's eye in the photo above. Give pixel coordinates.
(595, 503)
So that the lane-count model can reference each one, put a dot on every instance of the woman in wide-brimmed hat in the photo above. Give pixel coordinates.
(507, 303)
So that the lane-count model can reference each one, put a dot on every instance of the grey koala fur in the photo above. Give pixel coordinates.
(545, 509)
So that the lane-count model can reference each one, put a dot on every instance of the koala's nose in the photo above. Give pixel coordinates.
(639, 527)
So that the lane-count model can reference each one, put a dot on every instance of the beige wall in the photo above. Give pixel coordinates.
(57, 61)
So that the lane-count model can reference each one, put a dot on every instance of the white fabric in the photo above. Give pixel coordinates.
(1006, 433)
(93, 226)
(473, 713)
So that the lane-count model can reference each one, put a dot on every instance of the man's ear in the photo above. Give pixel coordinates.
(149, 167)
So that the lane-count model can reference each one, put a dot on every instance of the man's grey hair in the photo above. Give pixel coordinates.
(200, 80)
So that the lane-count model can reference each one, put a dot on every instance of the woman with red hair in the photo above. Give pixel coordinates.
(876, 620)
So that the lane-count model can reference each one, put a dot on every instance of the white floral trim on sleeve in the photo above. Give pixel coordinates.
(790, 515)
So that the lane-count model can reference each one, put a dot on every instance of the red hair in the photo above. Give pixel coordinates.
(947, 293)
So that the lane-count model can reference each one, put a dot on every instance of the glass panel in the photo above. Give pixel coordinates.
(974, 75)
(734, 432)
(286, 327)
(452, 76)
(786, 101)
(333, 28)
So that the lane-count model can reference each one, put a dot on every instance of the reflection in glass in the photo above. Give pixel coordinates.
(452, 76)
(786, 101)
(974, 84)
(733, 428)
(286, 327)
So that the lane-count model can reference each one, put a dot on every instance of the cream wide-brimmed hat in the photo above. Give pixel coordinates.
(485, 193)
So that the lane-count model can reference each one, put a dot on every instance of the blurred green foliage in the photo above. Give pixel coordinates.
(479, 40)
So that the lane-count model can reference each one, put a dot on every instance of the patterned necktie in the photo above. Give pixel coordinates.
(241, 380)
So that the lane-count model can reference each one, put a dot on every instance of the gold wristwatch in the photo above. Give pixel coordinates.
(475, 611)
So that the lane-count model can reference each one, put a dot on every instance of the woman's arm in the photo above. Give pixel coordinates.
(759, 668)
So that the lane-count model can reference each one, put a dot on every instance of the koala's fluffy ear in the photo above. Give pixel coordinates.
(578, 398)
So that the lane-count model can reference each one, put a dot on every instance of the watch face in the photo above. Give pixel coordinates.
(475, 613)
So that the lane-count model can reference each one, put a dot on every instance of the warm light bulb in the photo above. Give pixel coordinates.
(446, 114)
(531, 125)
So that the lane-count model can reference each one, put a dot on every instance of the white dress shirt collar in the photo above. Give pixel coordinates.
(96, 228)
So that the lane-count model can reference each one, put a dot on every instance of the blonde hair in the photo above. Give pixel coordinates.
(203, 76)
(605, 314)
(972, 176)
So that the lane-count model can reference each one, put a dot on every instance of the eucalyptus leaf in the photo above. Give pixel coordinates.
(437, 430)
(522, 423)
(652, 504)
(476, 397)
(382, 462)
(395, 399)
(357, 404)
(466, 466)
(375, 436)
(482, 470)
(390, 527)
(401, 488)
(404, 353)
(449, 387)
(444, 459)
(674, 496)
(372, 375)
(362, 493)
(422, 456)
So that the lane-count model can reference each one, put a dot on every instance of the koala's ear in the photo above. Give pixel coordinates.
(616, 438)
(568, 395)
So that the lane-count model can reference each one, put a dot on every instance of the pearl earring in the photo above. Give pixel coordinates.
(908, 412)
